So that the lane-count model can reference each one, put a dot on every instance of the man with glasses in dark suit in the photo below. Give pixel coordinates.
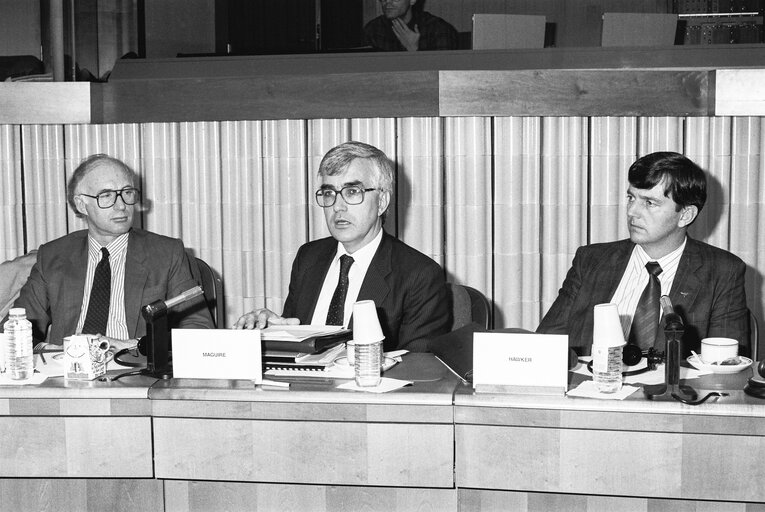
(95, 281)
(360, 261)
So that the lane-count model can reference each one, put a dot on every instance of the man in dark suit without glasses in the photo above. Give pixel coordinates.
(706, 284)
(407, 287)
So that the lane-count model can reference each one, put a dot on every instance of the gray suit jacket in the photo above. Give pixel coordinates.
(156, 267)
(408, 288)
(707, 292)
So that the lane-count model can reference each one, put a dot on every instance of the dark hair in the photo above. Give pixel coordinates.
(88, 165)
(685, 182)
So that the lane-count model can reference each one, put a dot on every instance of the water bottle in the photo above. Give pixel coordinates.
(19, 363)
(607, 368)
(367, 361)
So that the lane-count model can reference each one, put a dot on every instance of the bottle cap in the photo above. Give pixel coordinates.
(17, 311)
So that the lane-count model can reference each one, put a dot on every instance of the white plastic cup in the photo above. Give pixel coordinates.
(716, 350)
(607, 346)
(367, 344)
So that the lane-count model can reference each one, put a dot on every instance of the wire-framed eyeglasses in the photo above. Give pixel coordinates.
(107, 198)
(352, 194)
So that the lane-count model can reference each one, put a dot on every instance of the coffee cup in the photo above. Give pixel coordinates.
(716, 350)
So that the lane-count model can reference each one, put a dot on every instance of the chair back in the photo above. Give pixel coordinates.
(754, 337)
(212, 285)
(468, 305)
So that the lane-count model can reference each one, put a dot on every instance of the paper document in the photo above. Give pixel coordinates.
(299, 332)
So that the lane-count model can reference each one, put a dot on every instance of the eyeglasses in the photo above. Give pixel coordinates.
(352, 194)
(107, 198)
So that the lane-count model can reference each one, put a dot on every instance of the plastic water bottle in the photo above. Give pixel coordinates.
(607, 368)
(19, 362)
(367, 360)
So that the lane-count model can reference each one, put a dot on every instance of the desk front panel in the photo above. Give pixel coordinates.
(314, 452)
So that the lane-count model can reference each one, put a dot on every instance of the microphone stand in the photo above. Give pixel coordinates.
(156, 343)
(671, 389)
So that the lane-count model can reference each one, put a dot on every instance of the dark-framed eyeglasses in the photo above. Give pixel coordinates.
(352, 194)
(107, 198)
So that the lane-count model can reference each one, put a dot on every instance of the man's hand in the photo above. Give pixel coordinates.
(410, 39)
(262, 318)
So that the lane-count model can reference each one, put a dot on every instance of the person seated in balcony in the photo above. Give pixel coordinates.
(404, 26)
(95, 281)
(360, 261)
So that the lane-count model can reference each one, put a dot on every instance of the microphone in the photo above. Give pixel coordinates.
(671, 319)
(159, 306)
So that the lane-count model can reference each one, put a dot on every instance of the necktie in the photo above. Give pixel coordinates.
(336, 312)
(645, 323)
(100, 296)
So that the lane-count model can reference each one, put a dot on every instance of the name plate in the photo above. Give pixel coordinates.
(522, 363)
(217, 354)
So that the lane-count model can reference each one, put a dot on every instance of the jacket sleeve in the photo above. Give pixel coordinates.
(426, 311)
(557, 319)
(33, 297)
(729, 316)
(194, 314)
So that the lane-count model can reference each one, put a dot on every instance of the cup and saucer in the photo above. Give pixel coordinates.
(719, 355)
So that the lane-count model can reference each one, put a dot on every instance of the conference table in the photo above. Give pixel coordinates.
(185, 444)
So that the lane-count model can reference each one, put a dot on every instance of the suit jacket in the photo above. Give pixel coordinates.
(408, 288)
(156, 268)
(707, 292)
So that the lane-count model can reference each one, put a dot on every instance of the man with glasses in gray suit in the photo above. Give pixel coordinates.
(95, 281)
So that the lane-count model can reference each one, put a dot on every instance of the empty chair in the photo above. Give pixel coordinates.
(468, 306)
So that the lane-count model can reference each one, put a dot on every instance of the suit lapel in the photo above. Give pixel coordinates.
(375, 286)
(314, 278)
(74, 283)
(613, 269)
(136, 274)
(686, 285)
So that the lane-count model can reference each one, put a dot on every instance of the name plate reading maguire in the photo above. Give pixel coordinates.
(217, 354)
(522, 363)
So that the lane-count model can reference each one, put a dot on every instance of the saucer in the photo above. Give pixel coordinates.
(717, 368)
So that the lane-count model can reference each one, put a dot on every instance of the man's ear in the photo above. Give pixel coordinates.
(383, 202)
(687, 215)
(80, 204)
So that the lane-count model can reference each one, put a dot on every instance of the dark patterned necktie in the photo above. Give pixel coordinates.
(100, 296)
(336, 313)
(645, 323)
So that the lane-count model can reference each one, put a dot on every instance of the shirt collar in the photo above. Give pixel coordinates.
(362, 257)
(643, 257)
(116, 246)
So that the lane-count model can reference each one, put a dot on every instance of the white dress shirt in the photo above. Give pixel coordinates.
(116, 326)
(361, 261)
(635, 279)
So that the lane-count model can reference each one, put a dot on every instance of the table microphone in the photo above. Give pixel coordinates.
(671, 319)
(163, 305)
